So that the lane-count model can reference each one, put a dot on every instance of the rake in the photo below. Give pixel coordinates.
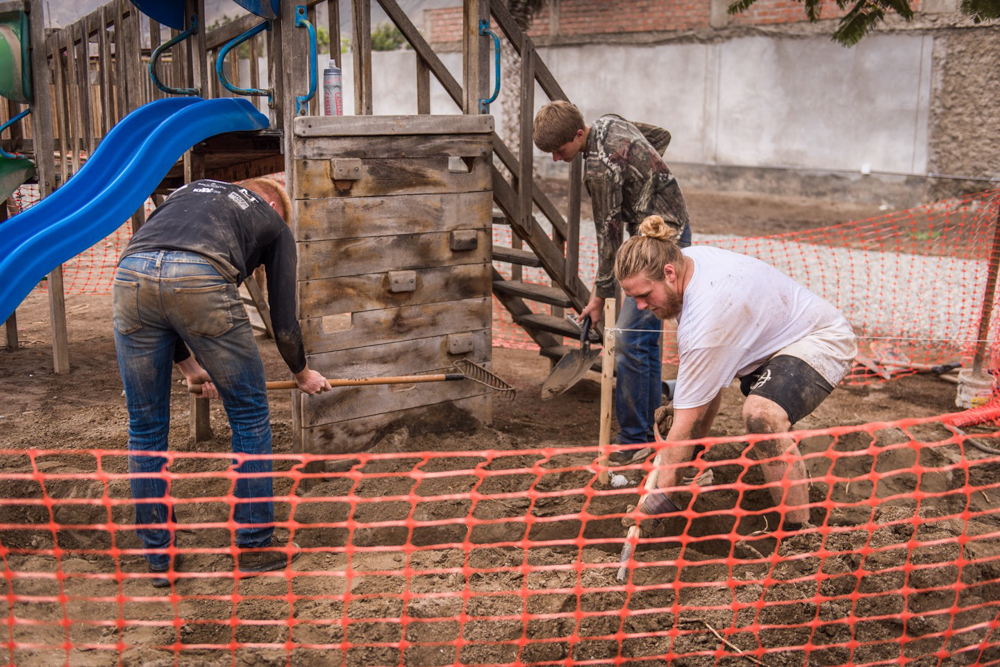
(468, 370)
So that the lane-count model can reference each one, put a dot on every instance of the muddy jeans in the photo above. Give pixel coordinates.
(639, 388)
(160, 297)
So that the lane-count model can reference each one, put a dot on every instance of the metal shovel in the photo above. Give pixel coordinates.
(572, 367)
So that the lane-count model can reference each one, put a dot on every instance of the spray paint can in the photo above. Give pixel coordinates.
(333, 103)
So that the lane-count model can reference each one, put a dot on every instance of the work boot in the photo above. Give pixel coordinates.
(162, 576)
(274, 556)
(624, 457)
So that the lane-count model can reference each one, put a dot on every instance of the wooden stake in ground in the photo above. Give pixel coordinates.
(607, 388)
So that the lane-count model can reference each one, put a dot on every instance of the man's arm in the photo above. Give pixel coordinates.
(606, 197)
(689, 424)
(195, 374)
(279, 262)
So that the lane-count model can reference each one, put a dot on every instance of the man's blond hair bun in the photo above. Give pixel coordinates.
(655, 228)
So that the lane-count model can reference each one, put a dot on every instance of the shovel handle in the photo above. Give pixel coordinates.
(355, 382)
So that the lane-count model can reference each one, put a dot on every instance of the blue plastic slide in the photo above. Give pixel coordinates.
(116, 180)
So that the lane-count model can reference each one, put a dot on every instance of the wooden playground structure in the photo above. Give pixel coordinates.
(393, 214)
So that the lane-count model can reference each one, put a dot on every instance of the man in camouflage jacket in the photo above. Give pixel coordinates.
(627, 180)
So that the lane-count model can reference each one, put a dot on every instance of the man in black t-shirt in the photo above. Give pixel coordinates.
(176, 293)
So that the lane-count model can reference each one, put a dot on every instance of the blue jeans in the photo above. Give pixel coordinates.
(159, 298)
(639, 389)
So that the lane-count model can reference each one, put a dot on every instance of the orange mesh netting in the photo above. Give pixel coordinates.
(912, 282)
(92, 271)
(511, 557)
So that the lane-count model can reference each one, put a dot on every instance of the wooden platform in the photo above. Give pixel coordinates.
(231, 157)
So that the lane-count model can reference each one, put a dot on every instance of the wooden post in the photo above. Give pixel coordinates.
(333, 25)
(362, 22)
(607, 388)
(573, 218)
(991, 286)
(525, 178)
(104, 60)
(201, 421)
(423, 86)
(475, 55)
(197, 55)
(11, 324)
(42, 130)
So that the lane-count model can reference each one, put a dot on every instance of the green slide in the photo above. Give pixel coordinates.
(15, 84)
(15, 65)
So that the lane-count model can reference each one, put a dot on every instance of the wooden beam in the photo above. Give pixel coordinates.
(10, 327)
(423, 86)
(524, 175)
(74, 139)
(85, 105)
(475, 54)
(104, 68)
(198, 50)
(379, 126)
(155, 39)
(42, 134)
(362, 44)
(121, 55)
(333, 26)
(134, 73)
(573, 217)
(218, 38)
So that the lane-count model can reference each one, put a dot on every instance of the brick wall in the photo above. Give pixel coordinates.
(590, 17)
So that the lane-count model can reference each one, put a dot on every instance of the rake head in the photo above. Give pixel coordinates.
(476, 373)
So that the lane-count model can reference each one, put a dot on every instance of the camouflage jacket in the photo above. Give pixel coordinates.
(627, 180)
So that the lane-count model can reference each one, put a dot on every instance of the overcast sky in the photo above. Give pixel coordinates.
(61, 13)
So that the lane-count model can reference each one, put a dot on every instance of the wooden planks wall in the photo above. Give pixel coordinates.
(394, 228)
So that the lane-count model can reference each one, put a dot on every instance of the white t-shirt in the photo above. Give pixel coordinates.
(738, 312)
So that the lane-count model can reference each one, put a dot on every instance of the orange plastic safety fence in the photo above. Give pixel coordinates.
(911, 282)
(92, 271)
(511, 557)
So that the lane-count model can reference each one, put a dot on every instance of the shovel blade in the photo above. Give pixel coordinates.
(570, 370)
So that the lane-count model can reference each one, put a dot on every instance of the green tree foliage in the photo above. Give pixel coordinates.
(387, 37)
(864, 16)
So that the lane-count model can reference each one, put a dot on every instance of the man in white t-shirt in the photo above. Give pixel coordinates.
(737, 317)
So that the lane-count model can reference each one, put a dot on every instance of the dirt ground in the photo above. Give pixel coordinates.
(401, 565)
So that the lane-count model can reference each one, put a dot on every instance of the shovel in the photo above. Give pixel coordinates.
(572, 367)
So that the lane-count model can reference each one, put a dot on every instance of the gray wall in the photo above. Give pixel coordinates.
(796, 115)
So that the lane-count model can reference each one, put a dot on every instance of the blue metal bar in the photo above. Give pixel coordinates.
(193, 30)
(484, 29)
(221, 59)
(3, 153)
(300, 21)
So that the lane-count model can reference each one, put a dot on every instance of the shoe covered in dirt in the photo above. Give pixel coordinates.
(162, 576)
(273, 557)
(624, 457)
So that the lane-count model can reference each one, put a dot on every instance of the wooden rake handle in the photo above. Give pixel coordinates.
(355, 382)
